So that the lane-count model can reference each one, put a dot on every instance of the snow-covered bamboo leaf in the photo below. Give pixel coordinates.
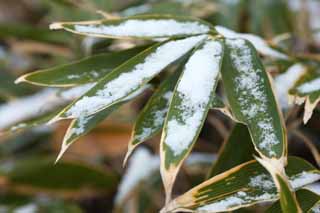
(188, 108)
(82, 125)
(151, 118)
(27, 176)
(239, 137)
(306, 198)
(244, 185)
(143, 26)
(261, 45)
(129, 77)
(307, 89)
(86, 70)
(251, 98)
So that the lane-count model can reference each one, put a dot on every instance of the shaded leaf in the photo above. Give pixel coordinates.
(241, 186)
(84, 71)
(143, 26)
(129, 77)
(251, 99)
(188, 108)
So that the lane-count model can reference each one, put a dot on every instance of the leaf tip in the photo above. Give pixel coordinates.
(56, 26)
(20, 79)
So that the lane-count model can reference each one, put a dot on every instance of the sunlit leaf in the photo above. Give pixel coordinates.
(244, 185)
(144, 26)
(188, 108)
(251, 99)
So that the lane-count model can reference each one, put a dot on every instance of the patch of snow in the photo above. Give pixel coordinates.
(256, 41)
(303, 178)
(252, 99)
(310, 86)
(30, 208)
(76, 92)
(262, 181)
(196, 158)
(314, 187)
(315, 208)
(128, 82)
(147, 28)
(285, 81)
(194, 88)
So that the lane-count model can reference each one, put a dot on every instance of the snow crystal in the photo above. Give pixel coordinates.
(257, 42)
(141, 166)
(128, 82)
(310, 86)
(285, 81)
(262, 181)
(147, 28)
(303, 178)
(194, 88)
(252, 99)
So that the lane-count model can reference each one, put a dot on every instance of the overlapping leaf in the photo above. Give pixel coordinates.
(251, 98)
(143, 26)
(129, 77)
(86, 70)
(241, 186)
(188, 108)
(307, 89)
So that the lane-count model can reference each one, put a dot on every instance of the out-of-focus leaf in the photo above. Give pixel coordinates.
(84, 71)
(38, 174)
(251, 99)
(144, 26)
(244, 185)
(306, 198)
(188, 108)
(307, 89)
(129, 77)
(239, 137)
(151, 118)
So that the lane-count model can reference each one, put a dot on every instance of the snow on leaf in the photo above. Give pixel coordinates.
(145, 26)
(251, 98)
(257, 42)
(188, 108)
(129, 77)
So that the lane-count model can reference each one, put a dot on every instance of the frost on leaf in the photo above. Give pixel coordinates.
(188, 108)
(251, 99)
(139, 26)
(130, 76)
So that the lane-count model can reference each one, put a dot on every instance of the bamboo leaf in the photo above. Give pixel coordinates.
(143, 26)
(239, 136)
(188, 109)
(307, 89)
(129, 77)
(151, 118)
(251, 99)
(86, 70)
(306, 198)
(244, 185)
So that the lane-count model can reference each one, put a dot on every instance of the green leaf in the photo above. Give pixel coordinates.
(129, 77)
(217, 103)
(239, 137)
(306, 198)
(86, 70)
(38, 174)
(244, 185)
(188, 108)
(307, 89)
(150, 120)
(143, 26)
(251, 98)
(82, 125)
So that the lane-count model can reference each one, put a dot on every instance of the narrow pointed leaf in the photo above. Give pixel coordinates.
(307, 89)
(251, 98)
(244, 185)
(129, 77)
(239, 137)
(151, 118)
(306, 198)
(144, 26)
(86, 70)
(188, 108)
